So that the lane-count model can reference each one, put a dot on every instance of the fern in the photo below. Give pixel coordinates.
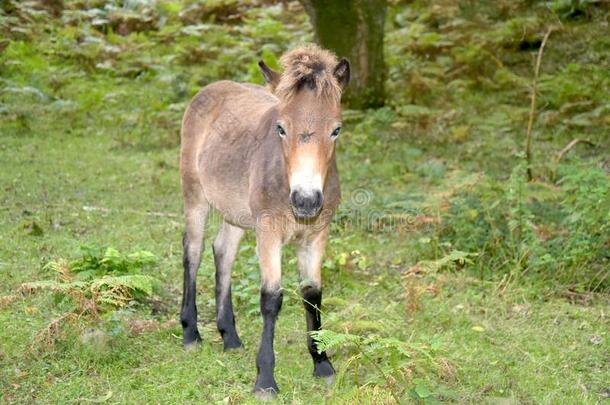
(94, 262)
(118, 291)
(383, 346)
(326, 340)
(99, 279)
(388, 356)
(448, 261)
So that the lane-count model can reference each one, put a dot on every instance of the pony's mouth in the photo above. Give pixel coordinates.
(306, 205)
(305, 214)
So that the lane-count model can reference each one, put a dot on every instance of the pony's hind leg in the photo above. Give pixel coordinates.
(225, 249)
(309, 255)
(195, 215)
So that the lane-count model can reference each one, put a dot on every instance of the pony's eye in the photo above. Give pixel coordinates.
(281, 132)
(335, 132)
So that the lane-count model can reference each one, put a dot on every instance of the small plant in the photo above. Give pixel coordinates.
(104, 279)
(97, 282)
(94, 262)
(453, 259)
(392, 359)
(345, 259)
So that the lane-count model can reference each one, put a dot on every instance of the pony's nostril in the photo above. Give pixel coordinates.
(293, 199)
(319, 198)
(298, 200)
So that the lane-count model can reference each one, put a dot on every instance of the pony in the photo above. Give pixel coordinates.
(264, 157)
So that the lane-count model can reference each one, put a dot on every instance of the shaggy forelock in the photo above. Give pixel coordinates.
(309, 67)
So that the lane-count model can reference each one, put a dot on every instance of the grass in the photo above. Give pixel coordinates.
(89, 156)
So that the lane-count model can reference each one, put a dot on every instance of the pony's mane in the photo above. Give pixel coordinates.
(309, 67)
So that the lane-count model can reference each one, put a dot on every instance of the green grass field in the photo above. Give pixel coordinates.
(461, 282)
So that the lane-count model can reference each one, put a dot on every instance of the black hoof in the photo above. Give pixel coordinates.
(323, 369)
(268, 394)
(235, 345)
(265, 387)
(231, 342)
(191, 339)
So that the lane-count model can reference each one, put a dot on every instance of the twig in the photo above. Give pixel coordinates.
(48, 335)
(530, 122)
(564, 151)
(571, 145)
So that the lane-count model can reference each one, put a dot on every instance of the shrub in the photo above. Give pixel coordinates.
(560, 233)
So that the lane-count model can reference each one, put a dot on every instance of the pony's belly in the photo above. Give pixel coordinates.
(232, 206)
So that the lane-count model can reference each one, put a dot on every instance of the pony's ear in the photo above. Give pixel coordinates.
(272, 77)
(342, 72)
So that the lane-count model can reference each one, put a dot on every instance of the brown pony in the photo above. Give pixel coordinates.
(265, 159)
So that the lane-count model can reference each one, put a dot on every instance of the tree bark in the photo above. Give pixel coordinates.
(354, 29)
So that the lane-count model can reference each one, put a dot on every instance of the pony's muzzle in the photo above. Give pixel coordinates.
(306, 205)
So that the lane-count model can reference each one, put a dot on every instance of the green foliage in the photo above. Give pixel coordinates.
(99, 279)
(326, 340)
(569, 9)
(586, 217)
(517, 32)
(390, 357)
(94, 262)
(562, 235)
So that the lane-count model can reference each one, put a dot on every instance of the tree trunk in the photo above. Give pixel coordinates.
(354, 29)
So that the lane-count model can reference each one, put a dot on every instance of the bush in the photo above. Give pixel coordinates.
(561, 233)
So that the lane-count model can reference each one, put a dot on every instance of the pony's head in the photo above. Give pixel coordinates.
(309, 120)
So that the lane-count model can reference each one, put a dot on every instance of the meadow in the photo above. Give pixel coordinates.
(449, 277)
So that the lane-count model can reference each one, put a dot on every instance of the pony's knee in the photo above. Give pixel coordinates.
(271, 302)
(312, 297)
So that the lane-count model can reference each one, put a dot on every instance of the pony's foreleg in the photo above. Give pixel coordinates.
(225, 249)
(192, 242)
(269, 246)
(310, 252)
